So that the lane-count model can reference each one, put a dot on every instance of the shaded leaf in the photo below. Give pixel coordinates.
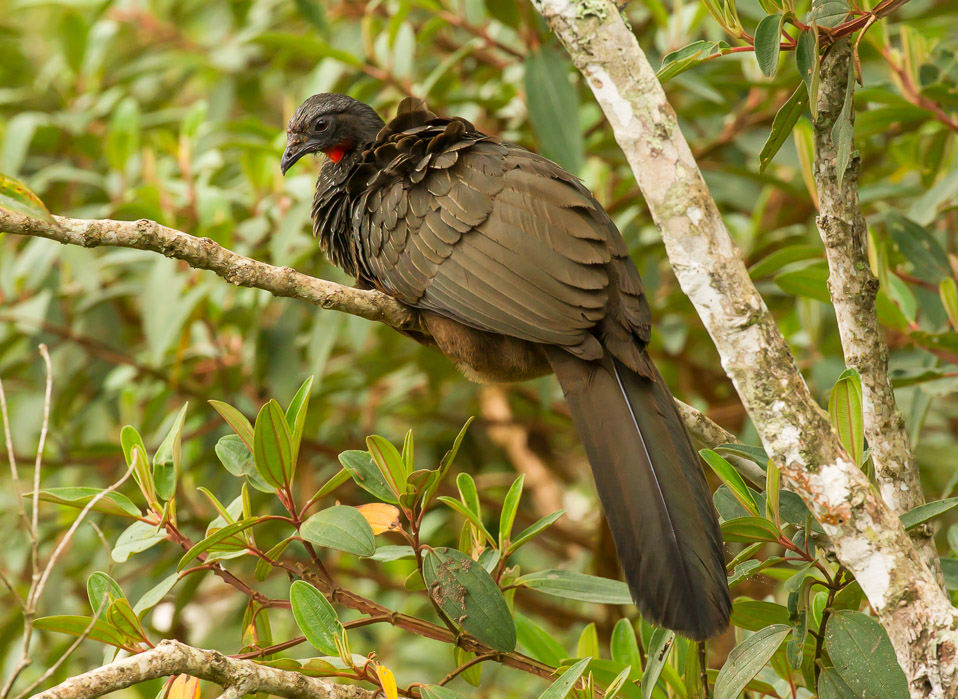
(782, 125)
(562, 686)
(747, 659)
(550, 93)
(315, 617)
(863, 656)
(342, 528)
(579, 586)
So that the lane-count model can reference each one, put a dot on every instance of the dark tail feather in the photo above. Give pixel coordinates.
(653, 491)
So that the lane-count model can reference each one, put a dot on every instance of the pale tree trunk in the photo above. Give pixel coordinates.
(868, 537)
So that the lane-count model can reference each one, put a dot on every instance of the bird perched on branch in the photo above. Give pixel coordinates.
(517, 271)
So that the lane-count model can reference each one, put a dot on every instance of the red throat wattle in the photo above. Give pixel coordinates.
(337, 152)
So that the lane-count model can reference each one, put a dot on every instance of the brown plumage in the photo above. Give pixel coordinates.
(518, 271)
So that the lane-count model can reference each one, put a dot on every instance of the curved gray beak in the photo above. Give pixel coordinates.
(294, 151)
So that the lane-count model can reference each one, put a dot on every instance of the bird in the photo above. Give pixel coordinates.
(517, 271)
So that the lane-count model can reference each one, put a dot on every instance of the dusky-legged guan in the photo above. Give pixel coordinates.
(518, 271)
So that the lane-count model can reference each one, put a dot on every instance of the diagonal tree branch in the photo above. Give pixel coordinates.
(868, 536)
(853, 289)
(175, 658)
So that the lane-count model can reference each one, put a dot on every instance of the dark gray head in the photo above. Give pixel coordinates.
(331, 123)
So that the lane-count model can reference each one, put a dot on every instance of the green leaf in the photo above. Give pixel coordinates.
(342, 475)
(538, 642)
(138, 537)
(768, 38)
(747, 659)
(238, 460)
(469, 494)
(806, 60)
(17, 198)
(731, 478)
(123, 134)
(928, 511)
(774, 261)
(588, 643)
(756, 454)
(843, 128)
(236, 420)
(367, 475)
(390, 463)
(121, 615)
(272, 446)
(217, 537)
(549, 93)
(920, 248)
(808, 282)
(749, 529)
(473, 674)
(469, 515)
(385, 554)
(562, 686)
(677, 62)
(618, 683)
(409, 453)
(315, 617)
(101, 590)
(166, 461)
(313, 12)
(863, 656)
(111, 504)
(832, 686)
(155, 594)
(534, 530)
(845, 409)
(785, 120)
(827, 13)
(470, 597)
(135, 455)
(102, 631)
(263, 567)
(948, 293)
(659, 647)
(578, 586)
(510, 505)
(342, 528)
(753, 615)
(296, 415)
(624, 645)
(773, 489)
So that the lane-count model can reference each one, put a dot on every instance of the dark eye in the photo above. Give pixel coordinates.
(320, 125)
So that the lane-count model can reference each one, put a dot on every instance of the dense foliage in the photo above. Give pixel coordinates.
(174, 110)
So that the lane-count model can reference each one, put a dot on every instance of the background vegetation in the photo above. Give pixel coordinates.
(174, 110)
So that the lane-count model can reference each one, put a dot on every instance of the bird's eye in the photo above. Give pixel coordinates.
(321, 125)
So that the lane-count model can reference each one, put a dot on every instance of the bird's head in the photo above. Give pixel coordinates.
(330, 123)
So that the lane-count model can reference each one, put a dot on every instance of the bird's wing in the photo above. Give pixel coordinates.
(497, 238)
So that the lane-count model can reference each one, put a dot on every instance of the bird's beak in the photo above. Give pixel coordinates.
(294, 151)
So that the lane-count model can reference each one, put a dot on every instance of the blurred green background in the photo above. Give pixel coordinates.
(174, 110)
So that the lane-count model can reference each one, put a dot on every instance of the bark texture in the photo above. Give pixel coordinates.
(868, 537)
(853, 289)
(174, 658)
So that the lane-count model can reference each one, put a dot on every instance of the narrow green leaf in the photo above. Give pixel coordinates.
(469, 515)
(263, 567)
(550, 92)
(768, 38)
(102, 631)
(731, 478)
(747, 659)
(166, 461)
(71, 496)
(756, 454)
(774, 261)
(434, 691)
(135, 454)
(102, 590)
(567, 680)
(579, 586)
(272, 446)
(920, 248)
(659, 647)
(948, 293)
(510, 505)
(534, 530)
(217, 537)
(121, 615)
(538, 642)
(588, 643)
(217, 505)
(470, 597)
(236, 420)
(749, 529)
(329, 486)
(409, 453)
(342, 528)
(315, 617)
(468, 493)
(773, 485)
(17, 198)
(367, 475)
(385, 554)
(155, 594)
(785, 120)
(845, 409)
(843, 129)
(677, 62)
(806, 58)
(928, 511)
(296, 415)
(618, 683)
(390, 463)
(624, 645)
(863, 656)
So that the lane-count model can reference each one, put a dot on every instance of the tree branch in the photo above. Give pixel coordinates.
(175, 658)
(853, 289)
(868, 536)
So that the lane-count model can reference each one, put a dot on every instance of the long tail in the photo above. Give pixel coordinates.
(653, 491)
